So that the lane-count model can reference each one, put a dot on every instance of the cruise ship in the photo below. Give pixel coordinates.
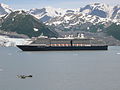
(43, 43)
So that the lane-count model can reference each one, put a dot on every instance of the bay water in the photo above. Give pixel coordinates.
(60, 70)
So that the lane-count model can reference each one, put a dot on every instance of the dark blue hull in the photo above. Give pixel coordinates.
(60, 48)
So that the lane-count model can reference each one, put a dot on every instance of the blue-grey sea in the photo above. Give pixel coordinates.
(60, 70)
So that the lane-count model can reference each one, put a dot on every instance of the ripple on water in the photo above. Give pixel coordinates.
(118, 53)
(1, 70)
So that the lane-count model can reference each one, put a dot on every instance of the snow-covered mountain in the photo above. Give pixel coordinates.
(81, 18)
(93, 14)
(21, 22)
(45, 14)
(77, 21)
(92, 18)
(116, 12)
(4, 9)
(98, 9)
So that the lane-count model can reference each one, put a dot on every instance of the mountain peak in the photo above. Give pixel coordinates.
(98, 9)
(24, 23)
(4, 5)
(44, 14)
(4, 9)
(99, 4)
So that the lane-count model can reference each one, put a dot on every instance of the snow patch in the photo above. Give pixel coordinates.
(35, 29)
(88, 28)
(57, 22)
(13, 19)
(72, 24)
(117, 23)
(86, 11)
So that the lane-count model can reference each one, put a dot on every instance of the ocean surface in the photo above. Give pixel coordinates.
(60, 70)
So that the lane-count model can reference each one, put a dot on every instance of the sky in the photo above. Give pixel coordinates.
(28, 4)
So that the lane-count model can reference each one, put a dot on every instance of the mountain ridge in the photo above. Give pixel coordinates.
(4, 9)
(96, 9)
(95, 18)
(24, 23)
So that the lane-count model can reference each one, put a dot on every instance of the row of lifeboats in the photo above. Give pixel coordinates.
(69, 45)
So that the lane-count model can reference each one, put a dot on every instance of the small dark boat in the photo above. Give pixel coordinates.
(23, 76)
